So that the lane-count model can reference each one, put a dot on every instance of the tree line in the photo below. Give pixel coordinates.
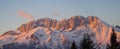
(87, 43)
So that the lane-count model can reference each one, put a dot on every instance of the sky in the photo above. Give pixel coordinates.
(13, 13)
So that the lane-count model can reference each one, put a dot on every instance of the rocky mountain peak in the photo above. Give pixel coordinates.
(51, 23)
(63, 25)
(53, 33)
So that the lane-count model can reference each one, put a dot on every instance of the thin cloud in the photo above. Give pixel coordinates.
(56, 14)
(25, 15)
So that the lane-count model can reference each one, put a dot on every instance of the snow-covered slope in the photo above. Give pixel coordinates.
(60, 34)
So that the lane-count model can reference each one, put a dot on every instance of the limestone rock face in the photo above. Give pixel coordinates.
(26, 27)
(62, 25)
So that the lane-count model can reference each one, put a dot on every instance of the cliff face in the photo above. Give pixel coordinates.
(62, 25)
(26, 27)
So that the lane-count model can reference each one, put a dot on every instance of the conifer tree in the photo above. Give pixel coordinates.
(73, 46)
(113, 41)
(87, 43)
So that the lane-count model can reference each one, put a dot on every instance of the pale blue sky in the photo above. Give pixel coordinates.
(107, 10)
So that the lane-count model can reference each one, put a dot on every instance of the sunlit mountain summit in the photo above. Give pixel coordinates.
(47, 33)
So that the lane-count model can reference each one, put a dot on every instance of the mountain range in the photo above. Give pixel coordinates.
(54, 34)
